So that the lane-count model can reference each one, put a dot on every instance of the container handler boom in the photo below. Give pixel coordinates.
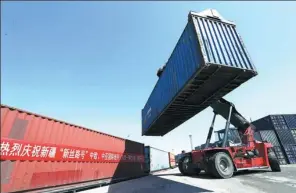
(225, 108)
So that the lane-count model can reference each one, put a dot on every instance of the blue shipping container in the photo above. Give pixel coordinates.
(209, 61)
(291, 153)
(270, 136)
(293, 131)
(285, 135)
(290, 120)
(279, 125)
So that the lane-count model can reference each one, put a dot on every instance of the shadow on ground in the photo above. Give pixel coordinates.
(250, 172)
(203, 175)
(147, 184)
(153, 184)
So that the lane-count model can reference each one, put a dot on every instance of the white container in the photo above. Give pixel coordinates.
(157, 159)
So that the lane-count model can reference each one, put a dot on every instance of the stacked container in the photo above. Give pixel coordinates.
(291, 149)
(294, 133)
(41, 152)
(270, 136)
(282, 127)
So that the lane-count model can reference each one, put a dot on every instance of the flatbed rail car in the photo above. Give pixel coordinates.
(209, 61)
(42, 153)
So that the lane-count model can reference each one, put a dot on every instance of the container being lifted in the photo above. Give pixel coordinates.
(209, 61)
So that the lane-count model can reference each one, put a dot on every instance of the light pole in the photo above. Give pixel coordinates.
(190, 138)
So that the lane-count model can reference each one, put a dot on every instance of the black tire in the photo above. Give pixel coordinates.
(274, 163)
(197, 171)
(208, 170)
(186, 167)
(183, 165)
(221, 165)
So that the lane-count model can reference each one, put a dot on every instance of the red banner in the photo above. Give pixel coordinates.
(12, 149)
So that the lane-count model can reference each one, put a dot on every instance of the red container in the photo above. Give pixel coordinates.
(39, 152)
(172, 160)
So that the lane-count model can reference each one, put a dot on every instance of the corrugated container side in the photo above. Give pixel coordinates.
(280, 155)
(221, 43)
(264, 123)
(291, 153)
(40, 152)
(159, 159)
(293, 131)
(182, 64)
(290, 120)
(279, 122)
(282, 125)
(285, 136)
(270, 136)
(209, 61)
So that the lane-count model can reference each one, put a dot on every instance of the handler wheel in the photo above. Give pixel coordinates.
(197, 171)
(185, 166)
(208, 170)
(221, 165)
(274, 163)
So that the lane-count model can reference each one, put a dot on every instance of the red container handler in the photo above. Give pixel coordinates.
(41, 152)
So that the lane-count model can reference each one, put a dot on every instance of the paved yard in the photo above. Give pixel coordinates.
(171, 181)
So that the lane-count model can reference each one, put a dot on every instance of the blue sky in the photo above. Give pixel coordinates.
(94, 63)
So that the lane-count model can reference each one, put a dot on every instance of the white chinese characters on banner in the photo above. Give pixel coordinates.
(5, 148)
(124, 157)
(116, 156)
(77, 154)
(44, 151)
(110, 156)
(15, 150)
(83, 152)
(36, 150)
(27, 150)
(73, 154)
(65, 153)
(140, 158)
(52, 152)
(131, 158)
(94, 155)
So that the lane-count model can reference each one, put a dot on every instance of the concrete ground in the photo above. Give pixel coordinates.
(171, 181)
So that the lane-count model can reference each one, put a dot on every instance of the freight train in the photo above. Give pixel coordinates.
(39, 152)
